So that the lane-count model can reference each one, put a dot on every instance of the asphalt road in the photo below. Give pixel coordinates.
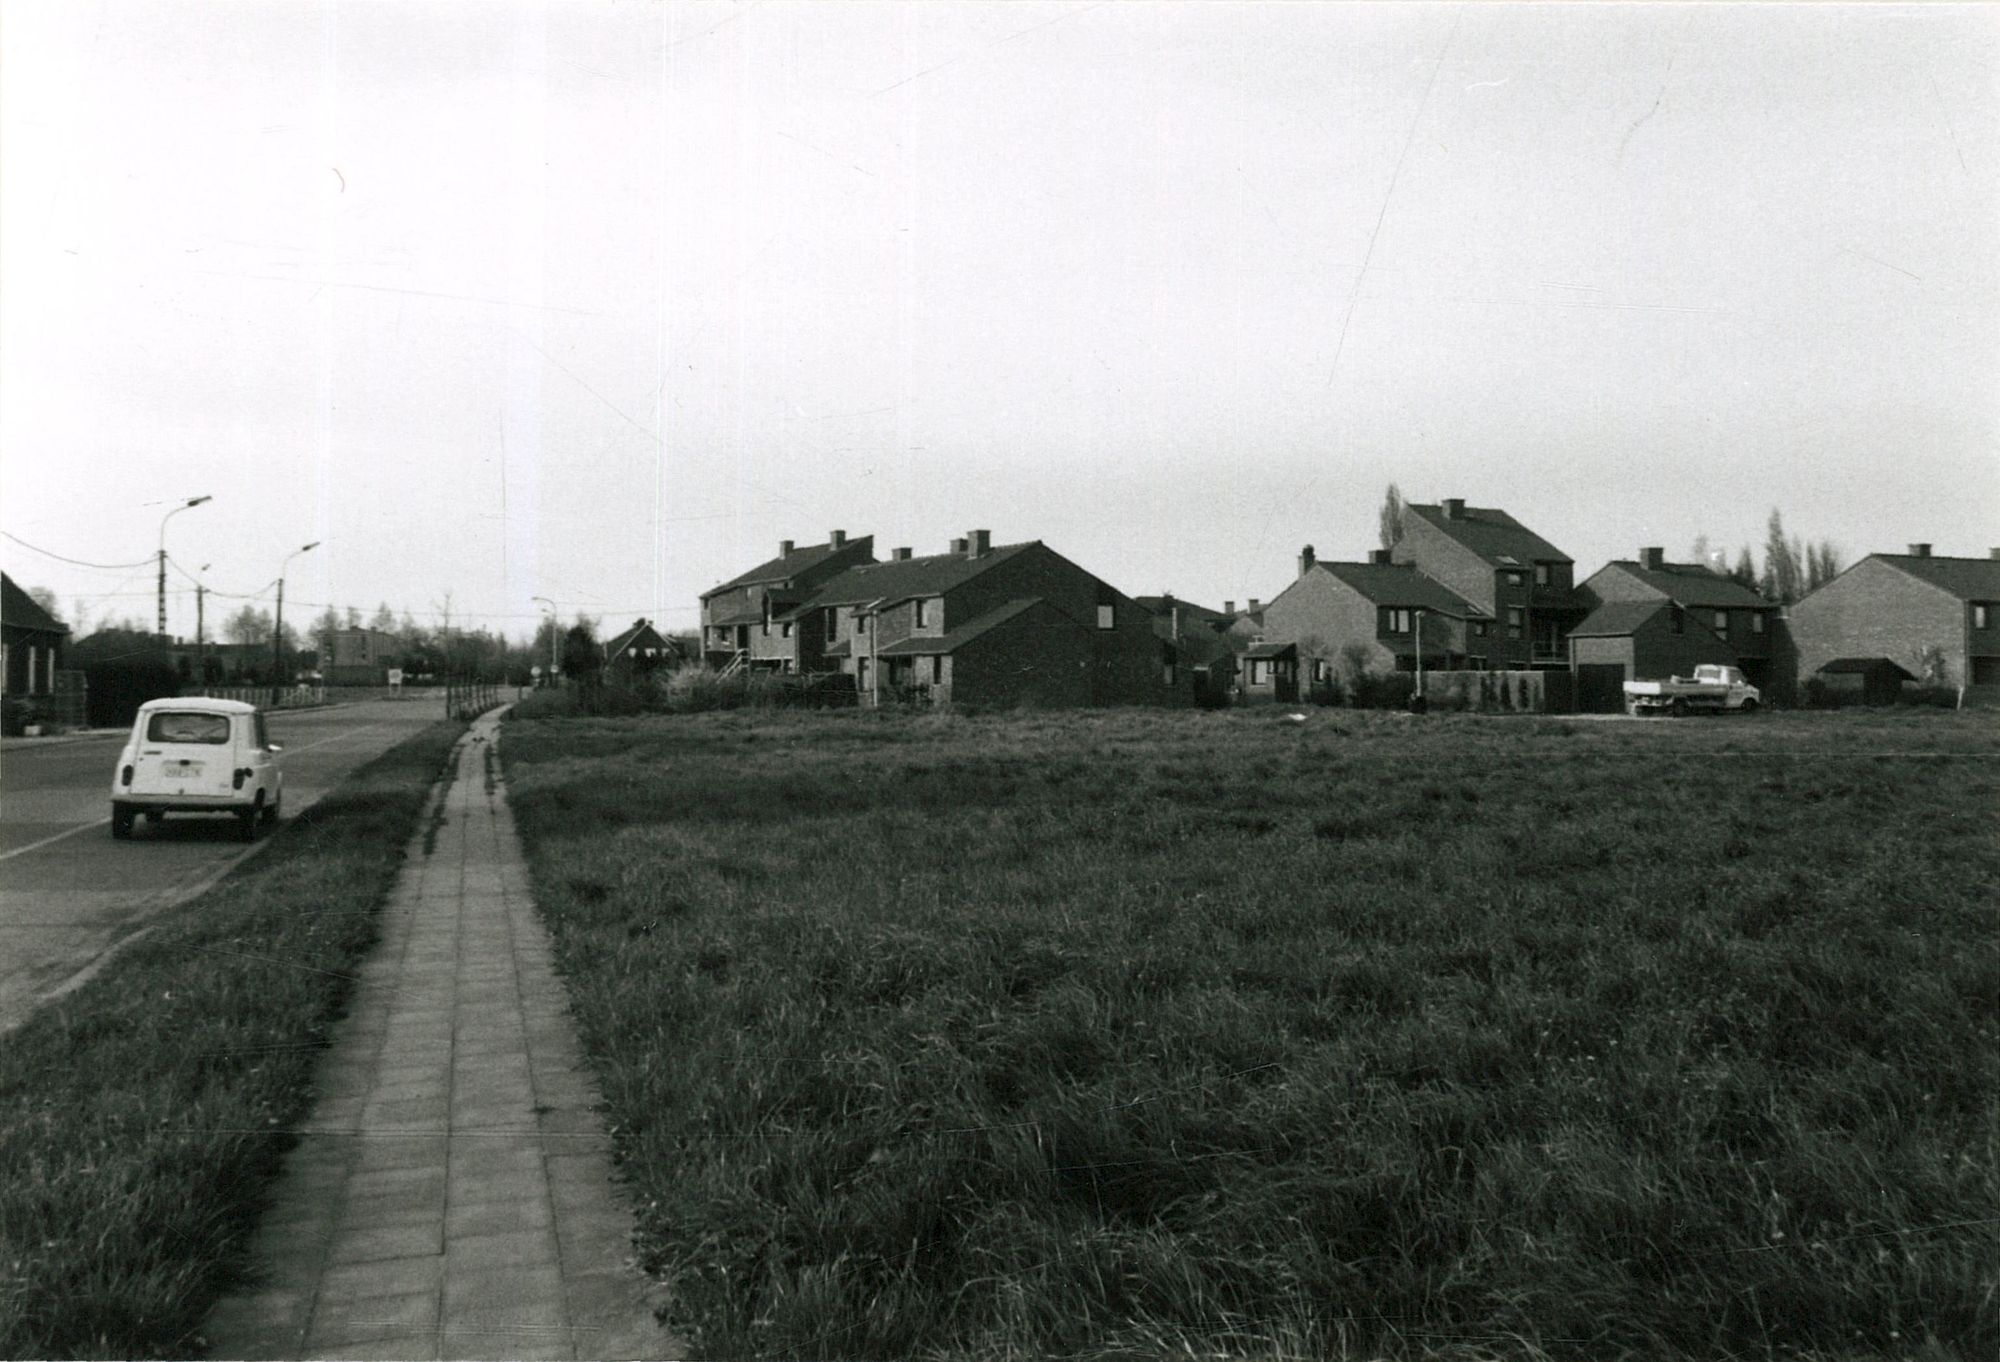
(68, 891)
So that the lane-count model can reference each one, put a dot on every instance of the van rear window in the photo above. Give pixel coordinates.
(180, 726)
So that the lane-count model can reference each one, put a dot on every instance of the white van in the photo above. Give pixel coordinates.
(196, 755)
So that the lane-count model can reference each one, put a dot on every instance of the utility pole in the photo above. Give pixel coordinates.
(200, 639)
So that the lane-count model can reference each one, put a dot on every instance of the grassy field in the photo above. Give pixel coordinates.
(1197, 1034)
(142, 1117)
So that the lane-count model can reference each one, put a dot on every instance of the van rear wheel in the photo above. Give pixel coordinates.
(121, 822)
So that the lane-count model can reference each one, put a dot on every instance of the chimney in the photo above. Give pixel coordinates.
(784, 548)
(1255, 605)
(982, 543)
(837, 537)
(1379, 557)
(1652, 559)
(1305, 560)
(900, 555)
(1454, 508)
(958, 548)
(1920, 550)
(1994, 552)
(1229, 607)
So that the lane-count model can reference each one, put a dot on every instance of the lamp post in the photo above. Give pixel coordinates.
(189, 504)
(553, 632)
(278, 629)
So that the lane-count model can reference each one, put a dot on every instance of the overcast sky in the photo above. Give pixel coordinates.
(598, 302)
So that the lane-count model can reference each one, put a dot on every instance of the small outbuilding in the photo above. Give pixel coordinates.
(1644, 640)
(1878, 680)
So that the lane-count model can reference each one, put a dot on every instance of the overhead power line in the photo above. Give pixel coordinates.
(76, 562)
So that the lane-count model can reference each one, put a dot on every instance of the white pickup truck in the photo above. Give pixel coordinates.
(1711, 688)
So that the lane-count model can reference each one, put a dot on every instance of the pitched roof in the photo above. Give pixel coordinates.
(1492, 534)
(1162, 605)
(22, 611)
(740, 617)
(899, 580)
(1615, 619)
(1969, 579)
(951, 640)
(1861, 666)
(789, 565)
(1397, 584)
(636, 634)
(1261, 650)
(1694, 585)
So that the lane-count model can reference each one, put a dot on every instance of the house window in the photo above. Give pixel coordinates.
(832, 625)
(1757, 622)
(1477, 664)
(1516, 621)
(861, 623)
(1722, 623)
(1260, 671)
(1167, 673)
(784, 631)
(1678, 621)
(937, 669)
(1479, 628)
(1395, 621)
(1981, 613)
(923, 614)
(1107, 616)
(1541, 574)
(1514, 578)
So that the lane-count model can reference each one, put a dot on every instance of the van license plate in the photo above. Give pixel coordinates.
(183, 768)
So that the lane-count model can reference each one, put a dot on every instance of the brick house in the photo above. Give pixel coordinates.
(990, 625)
(747, 620)
(640, 648)
(1194, 640)
(1270, 674)
(1894, 608)
(1379, 614)
(1751, 626)
(1639, 640)
(32, 643)
(1512, 575)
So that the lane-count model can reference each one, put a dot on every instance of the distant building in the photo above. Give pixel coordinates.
(641, 648)
(360, 657)
(1194, 644)
(1914, 612)
(1380, 614)
(737, 617)
(32, 643)
(1750, 627)
(1506, 571)
(1640, 640)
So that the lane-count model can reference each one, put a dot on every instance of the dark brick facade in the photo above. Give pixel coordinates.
(1883, 608)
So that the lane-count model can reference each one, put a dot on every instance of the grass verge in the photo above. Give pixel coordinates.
(1136, 1035)
(141, 1117)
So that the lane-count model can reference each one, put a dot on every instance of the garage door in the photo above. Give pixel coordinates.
(1600, 687)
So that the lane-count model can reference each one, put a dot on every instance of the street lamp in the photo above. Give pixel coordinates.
(189, 504)
(278, 630)
(553, 632)
(200, 644)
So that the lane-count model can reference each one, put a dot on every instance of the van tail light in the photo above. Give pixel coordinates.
(240, 774)
(125, 776)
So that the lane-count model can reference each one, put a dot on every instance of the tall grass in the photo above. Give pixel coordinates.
(1124, 1035)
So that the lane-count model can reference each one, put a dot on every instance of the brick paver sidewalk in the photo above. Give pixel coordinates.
(450, 1196)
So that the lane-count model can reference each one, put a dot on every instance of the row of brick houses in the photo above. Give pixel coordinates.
(980, 624)
(1463, 588)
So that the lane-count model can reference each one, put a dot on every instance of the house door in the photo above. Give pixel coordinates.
(1600, 687)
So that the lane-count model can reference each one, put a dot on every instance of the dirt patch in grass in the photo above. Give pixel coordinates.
(1137, 1034)
(143, 1116)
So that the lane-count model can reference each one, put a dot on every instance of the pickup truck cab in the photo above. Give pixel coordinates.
(196, 755)
(1712, 688)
